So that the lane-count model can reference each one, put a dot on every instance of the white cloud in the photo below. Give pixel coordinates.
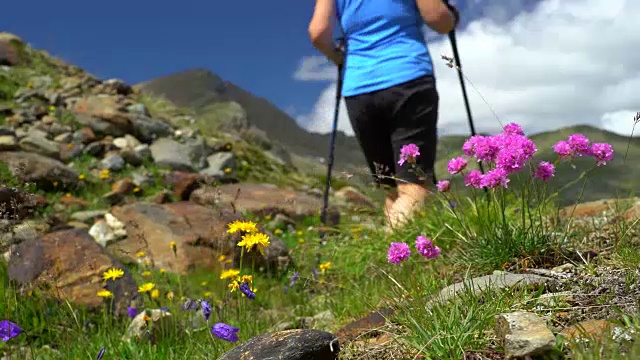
(564, 62)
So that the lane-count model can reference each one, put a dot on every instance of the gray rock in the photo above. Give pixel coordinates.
(113, 162)
(187, 157)
(301, 344)
(99, 126)
(89, 215)
(138, 108)
(44, 171)
(147, 130)
(7, 131)
(36, 141)
(64, 138)
(218, 162)
(495, 281)
(523, 334)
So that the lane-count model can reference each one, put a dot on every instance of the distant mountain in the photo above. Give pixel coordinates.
(199, 89)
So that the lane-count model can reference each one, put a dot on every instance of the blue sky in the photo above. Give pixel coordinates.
(257, 45)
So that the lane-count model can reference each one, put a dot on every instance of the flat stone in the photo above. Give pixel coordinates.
(494, 281)
(302, 344)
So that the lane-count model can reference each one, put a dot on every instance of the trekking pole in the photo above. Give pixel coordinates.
(332, 145)
(456, 58)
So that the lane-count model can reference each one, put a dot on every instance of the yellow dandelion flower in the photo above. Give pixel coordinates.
(277, 231)
(172, 245)
(233, 286)
(242, 226)
(170, 295)
(105, 293)
(246, 279)
(55, 184)
(146, 273)
(301, 241)
(112, 274)
(222, 258)
(136, 189)
(229, 274)
(207, 294)
(81, 176)
(146, 317)
(162, 270)
(258, 240)
(140, 254)
(67, 194)
(228, 147)
(104, 174)
(146, 287)
(227, 170)
(147, 262)
(228, 261)
(325, 266)
(69, 146)
(299, 232)
(52, 108)
(204, 283)
(268, 217)
(155, 293)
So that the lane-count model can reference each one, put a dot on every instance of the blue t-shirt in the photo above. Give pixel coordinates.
(385, 44)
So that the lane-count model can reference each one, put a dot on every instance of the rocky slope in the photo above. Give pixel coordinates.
(95, 174)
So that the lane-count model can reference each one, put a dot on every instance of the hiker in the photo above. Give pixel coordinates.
(389, 87)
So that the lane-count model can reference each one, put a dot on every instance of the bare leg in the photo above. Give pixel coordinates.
(411, 197)
(391, 197)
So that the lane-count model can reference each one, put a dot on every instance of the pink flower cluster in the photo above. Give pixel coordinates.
(409, 153)
(578, 145)
(400, 251)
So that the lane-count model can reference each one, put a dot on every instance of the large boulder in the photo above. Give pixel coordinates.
(45, 172)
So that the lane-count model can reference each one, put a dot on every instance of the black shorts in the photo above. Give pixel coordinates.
(385, 120)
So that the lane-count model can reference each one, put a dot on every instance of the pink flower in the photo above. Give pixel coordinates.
(513, 129)
(486, 149)
(563, 149)
(494, 178)
(426, 248)
(409, 153)
(443, 185)
(456, 165)
(544, 171)
(579, 144)
(474, 179)
(398, 252)
(602, 152)
(469, 146)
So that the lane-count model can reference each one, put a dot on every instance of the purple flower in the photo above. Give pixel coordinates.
(456, 165)
(474, 179)
(487, 148)
(563, 149)
(579, 144)
(225, 332)
(602, 152)
(132, 312)
(206, 309)
(426, 248)
(246, 290)
(9, 330)
(443, 185)
(494, 178)
(100, 353)
(513, 129)
(408, 153)
(544, 171)
(294, 278)
(510, 159)
(164, 308)
(398, 252)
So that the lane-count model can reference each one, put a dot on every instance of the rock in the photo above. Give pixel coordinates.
(495, 281)
(84, 135)
(370, 321)
(568, 267)
(199, 233)
(288, 345)
(8, 143)
(263, 200)
(148, 130)
(597, 208)
(113, 162)
(353, 196)
(105, 115)
(150, 325)
(36, 141)
(177, 156)
(9, 55)
(90, 215)
(108, 230)
(588, 330)
(47, 173)
(123, 186)
(218, 163)
(70, 264)
(523, 334)
(29, 229)
(182, 183)
(319, 321)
